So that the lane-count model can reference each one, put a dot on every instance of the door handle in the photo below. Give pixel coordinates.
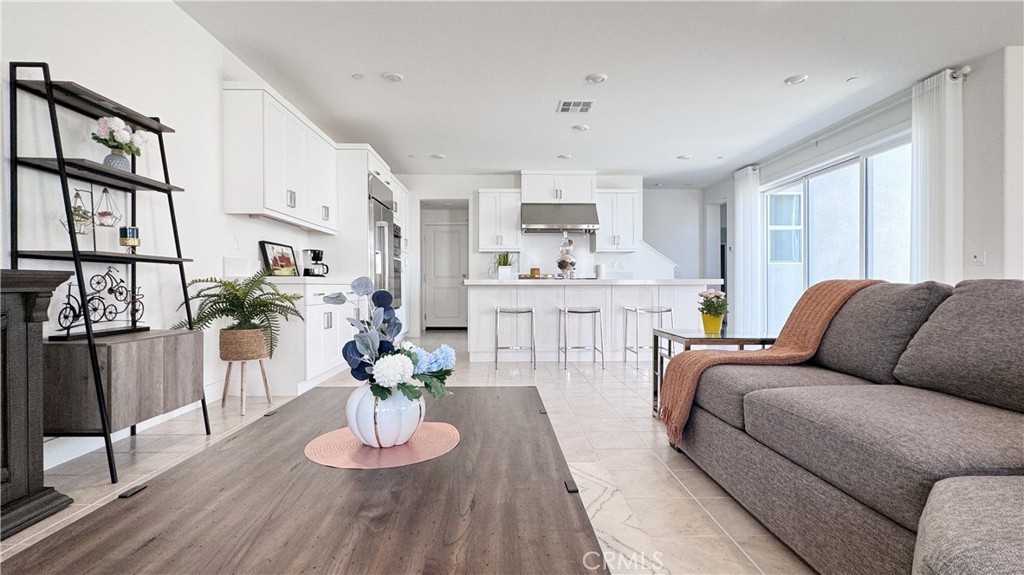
(325, 213)
(328, 320)
(290, 198)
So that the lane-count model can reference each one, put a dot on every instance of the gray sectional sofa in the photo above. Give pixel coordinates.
(911, 385)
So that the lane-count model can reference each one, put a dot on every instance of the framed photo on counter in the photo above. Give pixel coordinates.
(279, 259)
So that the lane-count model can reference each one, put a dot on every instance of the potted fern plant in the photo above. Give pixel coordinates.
(254, 304)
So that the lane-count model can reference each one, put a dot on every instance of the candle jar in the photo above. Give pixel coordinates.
(128, 236)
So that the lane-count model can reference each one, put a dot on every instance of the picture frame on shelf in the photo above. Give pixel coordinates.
(279, 259)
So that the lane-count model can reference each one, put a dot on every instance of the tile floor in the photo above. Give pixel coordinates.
(653, 510)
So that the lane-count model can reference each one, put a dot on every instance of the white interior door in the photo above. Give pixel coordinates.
(445, 266)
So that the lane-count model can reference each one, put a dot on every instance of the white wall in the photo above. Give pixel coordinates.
(175, 72)
(672, 225)
(1013, 200)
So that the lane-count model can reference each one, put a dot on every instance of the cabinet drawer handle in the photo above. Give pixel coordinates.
(290, 198)
(323, 293)
(328, 320)
(325, 213)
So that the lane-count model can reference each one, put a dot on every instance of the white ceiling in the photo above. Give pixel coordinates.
(704, 79)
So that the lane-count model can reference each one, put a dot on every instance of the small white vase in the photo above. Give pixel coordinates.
(505, 273)
(383, 423)
(117, 160)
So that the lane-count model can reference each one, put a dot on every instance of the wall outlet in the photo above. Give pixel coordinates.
(978, 259)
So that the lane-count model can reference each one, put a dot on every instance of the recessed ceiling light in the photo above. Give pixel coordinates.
(720, 158)
(412, 155)
(798, 79)
(357, 76)
(581, 127)
(393, 76)
(657, 184)
(684, 157)
(438, 156)
(597, 78)
(688, 184)
(853, 78)
(565, 156)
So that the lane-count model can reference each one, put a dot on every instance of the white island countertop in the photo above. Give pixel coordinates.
(594, 282)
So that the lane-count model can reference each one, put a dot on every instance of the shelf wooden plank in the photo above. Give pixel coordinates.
(100, 257)
(97, 173)
(85, 101)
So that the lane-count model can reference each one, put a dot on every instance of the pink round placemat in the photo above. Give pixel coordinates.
(340, 448)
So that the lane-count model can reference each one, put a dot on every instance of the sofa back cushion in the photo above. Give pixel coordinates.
(872, 329)
(971, 347)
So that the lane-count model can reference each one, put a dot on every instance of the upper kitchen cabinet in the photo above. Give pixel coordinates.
(559, 187)
(276, 163)
(499, 221)
(621, 219)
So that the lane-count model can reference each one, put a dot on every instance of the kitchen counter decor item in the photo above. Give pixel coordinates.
(378, 416)
(117, 135)
(279, 259)
(712, 310)
(504, 262)
(566, 258)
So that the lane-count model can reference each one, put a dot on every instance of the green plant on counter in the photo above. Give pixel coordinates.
(504, 259)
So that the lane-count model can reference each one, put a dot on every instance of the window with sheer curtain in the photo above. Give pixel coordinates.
(850, 219)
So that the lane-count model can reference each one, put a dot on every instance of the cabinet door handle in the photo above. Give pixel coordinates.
(328, 320)
(323, 293)
(290, 198)
(501, 240)
(325, 213)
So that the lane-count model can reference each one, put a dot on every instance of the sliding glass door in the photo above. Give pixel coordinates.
(848, 220)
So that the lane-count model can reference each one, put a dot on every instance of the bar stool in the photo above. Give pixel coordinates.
(637, 311)
(533, 333)
(563, 327)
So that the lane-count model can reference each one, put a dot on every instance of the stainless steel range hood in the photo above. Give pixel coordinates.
(559, 217)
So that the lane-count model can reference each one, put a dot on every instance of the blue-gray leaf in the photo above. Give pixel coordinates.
(362, 285)
(377, 317)
(357, 324)
(365, 344)
(337, 298)
(394, 328)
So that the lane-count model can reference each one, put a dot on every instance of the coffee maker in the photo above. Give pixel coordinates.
(313, 263)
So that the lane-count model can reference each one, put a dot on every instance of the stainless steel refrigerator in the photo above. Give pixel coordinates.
(385, 241)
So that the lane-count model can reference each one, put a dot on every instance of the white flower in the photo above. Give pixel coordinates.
(406, 345)
(391, 370)
(121, 136)
(708, 293)
(116, 124)
(139, 138)
(719, 294)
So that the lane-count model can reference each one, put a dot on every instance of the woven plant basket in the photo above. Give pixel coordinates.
(242, 344)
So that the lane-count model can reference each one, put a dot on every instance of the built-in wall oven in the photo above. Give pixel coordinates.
(385, 241)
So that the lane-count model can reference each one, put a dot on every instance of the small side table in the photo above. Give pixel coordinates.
(689, 338)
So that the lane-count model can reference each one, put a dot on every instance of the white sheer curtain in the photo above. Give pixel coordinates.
(938, 179)
(746, 297)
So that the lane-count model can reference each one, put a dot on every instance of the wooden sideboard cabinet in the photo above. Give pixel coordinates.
(25, 298)
(144, 375)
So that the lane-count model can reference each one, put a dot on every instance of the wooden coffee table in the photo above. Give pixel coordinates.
(253, 503)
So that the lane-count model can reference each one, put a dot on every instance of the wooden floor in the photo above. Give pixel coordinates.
(254, 504)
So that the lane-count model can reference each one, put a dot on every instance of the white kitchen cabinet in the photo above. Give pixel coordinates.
(499, 221)
(276, 164)
(559, 187)
(621, 219)
(309, 350)
(321, 206)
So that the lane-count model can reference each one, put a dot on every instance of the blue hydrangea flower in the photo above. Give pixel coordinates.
(444, 357)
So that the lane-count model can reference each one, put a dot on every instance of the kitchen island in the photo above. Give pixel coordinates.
(545, 296)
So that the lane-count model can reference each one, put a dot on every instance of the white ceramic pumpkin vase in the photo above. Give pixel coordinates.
(383, 423)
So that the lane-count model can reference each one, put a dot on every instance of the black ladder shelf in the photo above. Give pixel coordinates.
(74, 97)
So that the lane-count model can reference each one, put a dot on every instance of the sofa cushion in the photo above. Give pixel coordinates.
(886, 445)
(722, 387)
(972, 525)
(971, 345)
(872, 329)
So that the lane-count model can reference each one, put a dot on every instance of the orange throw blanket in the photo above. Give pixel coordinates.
(797, 342)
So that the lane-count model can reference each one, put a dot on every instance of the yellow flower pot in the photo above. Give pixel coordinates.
(712, 323)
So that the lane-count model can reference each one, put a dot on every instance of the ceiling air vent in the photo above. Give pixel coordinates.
(582, 106)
